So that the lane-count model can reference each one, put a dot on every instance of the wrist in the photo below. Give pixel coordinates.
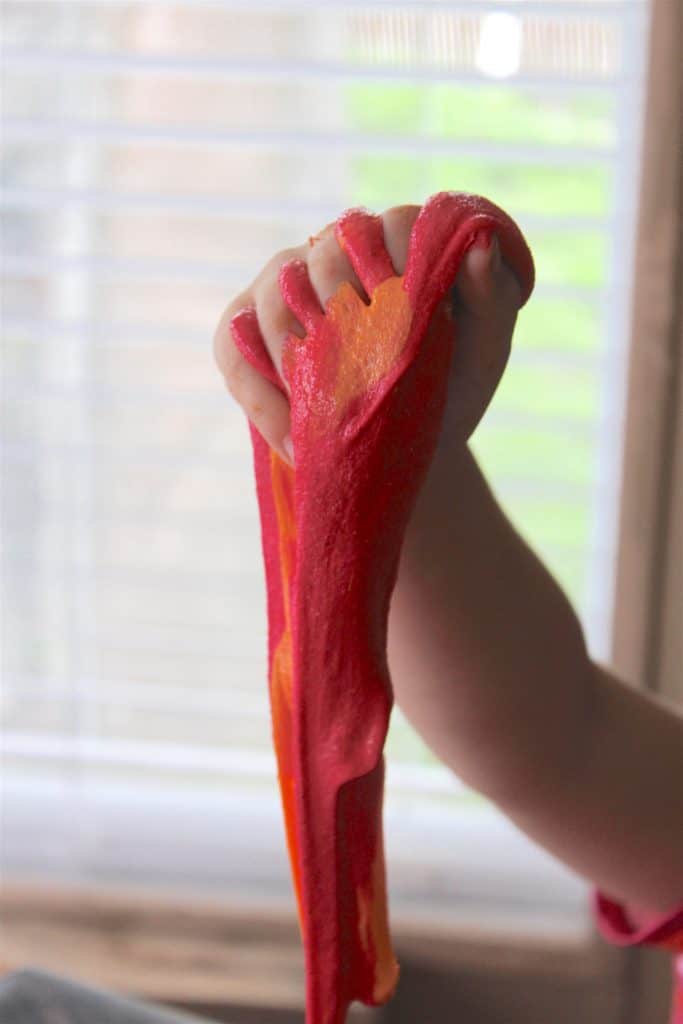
(446, 495)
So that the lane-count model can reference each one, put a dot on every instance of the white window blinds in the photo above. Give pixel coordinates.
(155, 154)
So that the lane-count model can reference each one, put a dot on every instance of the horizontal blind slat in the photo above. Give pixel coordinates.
(115, 199)
(42, 200)
(216, 402)
(93, 750)
(41, 129)
(39, 62)
(580, 9)
(138, 695)
(590, 295)
(106, 334)
(174, 758)
(237, 469)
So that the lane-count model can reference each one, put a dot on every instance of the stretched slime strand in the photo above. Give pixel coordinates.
(367, 387)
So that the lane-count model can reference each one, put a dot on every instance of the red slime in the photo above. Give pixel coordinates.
(367, 389)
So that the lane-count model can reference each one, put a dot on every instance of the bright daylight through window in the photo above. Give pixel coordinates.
(155, 154)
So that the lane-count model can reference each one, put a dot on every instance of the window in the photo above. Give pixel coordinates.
(156, 153)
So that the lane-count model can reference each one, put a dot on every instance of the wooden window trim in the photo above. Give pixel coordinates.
(649, 533)
(648, 611)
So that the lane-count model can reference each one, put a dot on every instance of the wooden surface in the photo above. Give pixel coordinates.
(152, 948)
(211, 957)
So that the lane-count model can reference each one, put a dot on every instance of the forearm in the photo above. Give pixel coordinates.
(525, 717)
(616, 817)
(484, 647)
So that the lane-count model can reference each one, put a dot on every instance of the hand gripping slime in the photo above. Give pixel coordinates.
(367, 388)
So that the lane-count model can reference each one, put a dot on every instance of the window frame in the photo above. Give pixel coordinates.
(647, 647)
(649, 589)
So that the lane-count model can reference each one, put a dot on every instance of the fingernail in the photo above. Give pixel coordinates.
(496, 258)
(483, 239)
(289, 448)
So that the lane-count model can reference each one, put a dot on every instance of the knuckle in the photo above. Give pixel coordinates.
(265, 290)
(400, 219)
(255, 411)
(262, 410)
(223, 345)
(402, 212)
(222, 337)
(276, 262)
(329, 229)
(234, 391)
(398, 224)
(242, 301)
(326, 259)
(233, 371)
(276, 319)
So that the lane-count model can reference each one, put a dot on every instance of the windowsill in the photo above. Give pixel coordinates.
(158, 947)
(445, 862)
(186, 898)
(196, 951)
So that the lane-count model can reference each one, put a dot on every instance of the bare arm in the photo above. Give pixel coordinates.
(489, 663)
(487, 656)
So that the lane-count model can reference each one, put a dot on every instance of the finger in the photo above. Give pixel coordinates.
(329, 266)
(299, 294)
(485, 286)
(487, 298)
(361, 236)
(264, 404)
(398, 224)
(222, 336)
(246, 333)
(276, 320)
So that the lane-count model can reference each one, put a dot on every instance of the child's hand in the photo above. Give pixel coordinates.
(487, 658)
(486, 298)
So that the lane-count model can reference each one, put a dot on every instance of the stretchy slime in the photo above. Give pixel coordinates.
(367, 388)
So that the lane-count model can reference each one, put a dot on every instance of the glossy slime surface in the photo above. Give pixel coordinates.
(367, 389)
